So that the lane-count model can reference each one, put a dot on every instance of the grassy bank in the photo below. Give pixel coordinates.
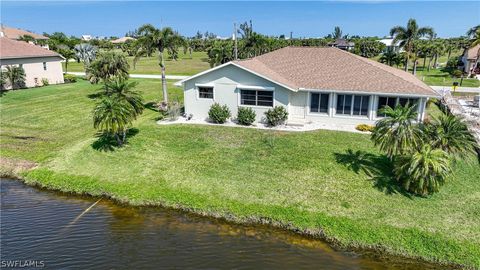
(316, 182)
(185, 65)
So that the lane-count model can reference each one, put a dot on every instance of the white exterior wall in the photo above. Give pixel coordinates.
(34, 69)
(226, 91)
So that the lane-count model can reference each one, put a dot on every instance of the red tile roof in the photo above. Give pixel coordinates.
(333, 69)
(15, 33)
(10, 48)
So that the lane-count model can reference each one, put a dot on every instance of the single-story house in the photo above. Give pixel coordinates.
(17, 34)
(314, 84)
(470, 58)
(37, 62)
(342, 44)
(122, 40)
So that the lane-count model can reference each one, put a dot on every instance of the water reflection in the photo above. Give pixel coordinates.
(38, 225)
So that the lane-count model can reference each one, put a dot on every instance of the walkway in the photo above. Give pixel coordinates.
(142, 76)
(459, 89)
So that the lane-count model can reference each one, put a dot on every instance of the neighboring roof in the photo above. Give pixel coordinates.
(14, 33)
(122, 40)
(333, 69)
(388, 42)
(472, 53)
(340, 42)
(11, 49)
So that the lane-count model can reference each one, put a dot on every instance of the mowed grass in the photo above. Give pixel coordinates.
(185, 65)
(334, 184)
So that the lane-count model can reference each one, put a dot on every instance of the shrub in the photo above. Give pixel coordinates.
(457, 73)
(69, 78)
(219, 114)
(45, 82)
(365, 127)
(276, 116)
(246, 116)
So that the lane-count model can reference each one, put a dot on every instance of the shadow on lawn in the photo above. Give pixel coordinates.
(377, 167)
(107, 143)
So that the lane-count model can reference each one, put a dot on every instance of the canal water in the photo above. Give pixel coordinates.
(47, 229)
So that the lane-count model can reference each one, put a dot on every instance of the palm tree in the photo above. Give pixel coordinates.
(14, 76)
(86, 53)
(450, 133)
(397, 133)
(390, 57)
(221, 52)
(337, 32)
(108, 65)
(406, 36)
(113, 116)
(423, 171)
(66, 52)
(161, 39)
(124, 90)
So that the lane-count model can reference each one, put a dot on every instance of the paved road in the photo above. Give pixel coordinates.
(142, 76)
(459, 89)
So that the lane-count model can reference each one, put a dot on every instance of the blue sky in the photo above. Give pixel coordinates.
(304, 19)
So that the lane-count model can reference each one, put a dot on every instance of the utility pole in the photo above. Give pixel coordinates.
(235, 40)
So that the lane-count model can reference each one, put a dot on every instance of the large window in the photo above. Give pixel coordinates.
(256, 98)
(205, 92)
(394, 101)
(353, 104)
(319, 103)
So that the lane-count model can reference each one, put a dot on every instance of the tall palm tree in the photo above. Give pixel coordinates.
(423, 171)
(66, 52)
(113, 116)
(161, 39)
(85, 52)
(450, 133)
(397, 133)
(124, 90)
(337, 32)
(406, 36)
(14, 77)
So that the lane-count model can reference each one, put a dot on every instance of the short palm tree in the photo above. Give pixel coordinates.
(161, 39)
(14, 77)
(423, 171)
(124, 90)
(450, 133)
(108, 65)
(85, 52)
(66, 52)
(397, 133)
(221, 52)
(113, 116)
(406, 36)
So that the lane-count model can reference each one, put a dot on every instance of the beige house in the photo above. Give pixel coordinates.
(315, 85)
(470, 58)
(122, 40)
(37, 62)
(16, 34)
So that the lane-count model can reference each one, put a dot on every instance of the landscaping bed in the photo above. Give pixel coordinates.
(313, 182)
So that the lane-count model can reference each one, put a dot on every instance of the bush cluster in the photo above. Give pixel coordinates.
(365, 127)
(246, 116)
(69, 78)
(218, 113)
(276, 116)
(45, 82)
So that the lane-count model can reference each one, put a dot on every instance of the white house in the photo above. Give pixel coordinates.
(37, 62)
(388, 42)
(314, 84)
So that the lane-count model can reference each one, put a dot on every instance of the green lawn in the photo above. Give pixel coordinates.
(185, 65)
(313, 181)
(441, 78)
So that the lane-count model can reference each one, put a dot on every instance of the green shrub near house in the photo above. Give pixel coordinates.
(246, 116)
(69, 78)
(276, 116)
(218, 113)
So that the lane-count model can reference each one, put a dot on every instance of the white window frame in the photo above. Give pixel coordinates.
(329, 107)
(397, 101)
(255, 88)
(204, 85)
(351, 115)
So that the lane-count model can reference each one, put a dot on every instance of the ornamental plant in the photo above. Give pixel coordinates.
(246, 116)
(276, 116)
(219, 114)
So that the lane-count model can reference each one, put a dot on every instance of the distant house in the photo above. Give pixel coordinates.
(323, 85)
(469, 59)
(16, 34)
(122, 40)
(37, 62)
(86, 37)
(390, 46)
(342, 44)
